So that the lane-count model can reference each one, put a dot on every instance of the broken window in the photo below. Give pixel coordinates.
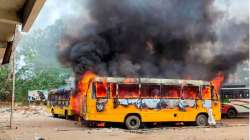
(171, 91)
(150, 91)
(190, 92)
(112, 88)
(206, 93)
(128, 91)
(101, 90)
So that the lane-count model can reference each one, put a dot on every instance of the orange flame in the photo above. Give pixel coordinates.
(218, 80)
(82, 85)
(129, 80)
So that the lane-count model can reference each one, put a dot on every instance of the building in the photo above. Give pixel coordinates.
(12, 13)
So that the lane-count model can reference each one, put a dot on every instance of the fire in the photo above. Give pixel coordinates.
(75, 100)
(83, 83)
(129, 80)
(101, 87)
(218, 80)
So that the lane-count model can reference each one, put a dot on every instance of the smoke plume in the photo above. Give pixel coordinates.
(155, 38)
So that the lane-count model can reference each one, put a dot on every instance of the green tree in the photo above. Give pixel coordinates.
(37, 63)
(5, 83)
(42, 80)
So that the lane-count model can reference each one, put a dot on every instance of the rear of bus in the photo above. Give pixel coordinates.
(149, 100)
(58, 103)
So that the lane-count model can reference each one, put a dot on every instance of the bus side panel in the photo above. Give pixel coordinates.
(165, 115)
(111, 111)
(119, 113)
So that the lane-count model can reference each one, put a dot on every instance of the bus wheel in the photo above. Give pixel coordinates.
(133, 122)
(66, 116)
(201, 120)
(231, 113)
(53, 113)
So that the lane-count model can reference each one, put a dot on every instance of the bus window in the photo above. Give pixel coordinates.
(150, 91)
(190, 92)
(235, 94)
(238, 94)
(246, 94)
(206, 94)
(101, 90)
(128, 91)
(59, 97)
(228, 95)
(52, 99)
(171, 91)
(112, 88)
(67, 103)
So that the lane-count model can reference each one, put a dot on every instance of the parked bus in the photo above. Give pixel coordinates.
(58, 103)
(139, 100)
(235, 100)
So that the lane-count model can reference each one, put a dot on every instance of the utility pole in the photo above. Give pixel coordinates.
(13, 77)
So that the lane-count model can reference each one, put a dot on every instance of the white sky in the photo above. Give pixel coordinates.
(56, 9)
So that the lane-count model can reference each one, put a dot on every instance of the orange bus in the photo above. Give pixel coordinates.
(134, 101)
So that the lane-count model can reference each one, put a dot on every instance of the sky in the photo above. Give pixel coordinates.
(57, 9)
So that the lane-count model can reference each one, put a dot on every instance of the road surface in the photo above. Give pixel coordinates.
(32, 124)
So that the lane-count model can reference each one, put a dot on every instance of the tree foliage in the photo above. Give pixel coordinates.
(37, 64)
(5, 83)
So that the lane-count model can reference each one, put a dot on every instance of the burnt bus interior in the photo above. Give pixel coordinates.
(104, 90)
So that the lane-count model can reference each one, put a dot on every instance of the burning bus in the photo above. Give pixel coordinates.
(134, 101)
(131, 41)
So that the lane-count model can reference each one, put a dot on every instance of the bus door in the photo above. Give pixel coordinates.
(85, 99)
(99, 98)
(84, 104)
(206, 97)
(210, 99)
(215, 97)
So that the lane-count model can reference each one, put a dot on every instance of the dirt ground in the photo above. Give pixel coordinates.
(34, 123)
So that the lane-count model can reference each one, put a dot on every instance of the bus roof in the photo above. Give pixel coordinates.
(151, 81)
(233, 86)
(243, 88)
(61, 91)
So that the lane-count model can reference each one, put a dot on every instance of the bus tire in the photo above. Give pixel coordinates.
(231, 113)
(66, 116)
(133, 122)
(201, 120)
(53, 113)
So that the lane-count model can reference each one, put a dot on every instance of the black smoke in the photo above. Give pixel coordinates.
(155, 38)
